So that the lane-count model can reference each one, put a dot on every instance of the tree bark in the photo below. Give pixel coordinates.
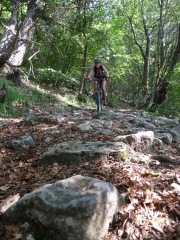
(163, 82)
(25, 33)
(82, 86)
(15, 38)
(3, 93)
(145, 53)
(10, 34)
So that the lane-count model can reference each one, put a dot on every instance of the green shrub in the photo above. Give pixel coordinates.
(18, 101)
(54, 78)
(42, 97)
(171, 106)
(15, 103)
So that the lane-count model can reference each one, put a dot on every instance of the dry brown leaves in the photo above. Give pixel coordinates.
(153, 211)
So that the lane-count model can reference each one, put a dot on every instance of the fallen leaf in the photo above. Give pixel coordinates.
(176, 186)
(17, 236)
(4, 188)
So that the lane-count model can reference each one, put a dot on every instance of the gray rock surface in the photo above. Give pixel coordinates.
(163, 121)
(76, 208)
(165, 137)
(22, 143)
(139, 141)
(77, 151)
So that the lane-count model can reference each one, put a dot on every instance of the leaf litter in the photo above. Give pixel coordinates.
(153, 209)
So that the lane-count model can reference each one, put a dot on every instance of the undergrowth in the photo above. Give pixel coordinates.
(19, 101)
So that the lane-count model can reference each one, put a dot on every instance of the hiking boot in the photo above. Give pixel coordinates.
(104, 103)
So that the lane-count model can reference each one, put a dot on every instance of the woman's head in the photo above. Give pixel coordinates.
(96, 61)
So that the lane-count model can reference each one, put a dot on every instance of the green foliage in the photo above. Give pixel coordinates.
(55, 78)
(113, 101)
(171, 107)
(63, 34)
(116, 101)
(15, 102)
(123, 156)
(41, 97)
(19, 100)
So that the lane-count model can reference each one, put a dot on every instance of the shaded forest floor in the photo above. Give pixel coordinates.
(153, 211)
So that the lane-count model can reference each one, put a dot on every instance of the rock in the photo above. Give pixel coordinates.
(96, 125)
(74, 209)
(74, 152)
(107, 124)
(33, 116)
(157, 144)
(53, 132)
(111, 115)
(48, 140)
(85, 127)
(30, 237)
(162, 121)
(22, 143)
(106, 132)
(51, 120)
(146, 125)
(165, 137)
(175, 132)
(138, 141)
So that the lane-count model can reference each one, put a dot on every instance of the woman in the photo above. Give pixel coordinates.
(100, 72)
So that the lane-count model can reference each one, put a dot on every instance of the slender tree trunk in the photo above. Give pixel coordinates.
(145, 53)
(82, 86)
(3, 92)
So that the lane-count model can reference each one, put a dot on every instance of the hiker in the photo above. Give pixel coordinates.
(100, 72)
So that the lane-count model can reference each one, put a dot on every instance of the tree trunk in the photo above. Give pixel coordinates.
(82, 87)
(3, 92)
(163, 83)
(161, 93)
(145, 52)
(14, 75)
(15, 39)
(10, 34)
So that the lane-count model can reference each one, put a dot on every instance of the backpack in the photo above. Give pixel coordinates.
(98, 72)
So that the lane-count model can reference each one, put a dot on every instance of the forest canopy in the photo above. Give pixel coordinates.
(138, 41)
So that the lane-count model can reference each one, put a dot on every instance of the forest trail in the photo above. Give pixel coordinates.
(153, 189)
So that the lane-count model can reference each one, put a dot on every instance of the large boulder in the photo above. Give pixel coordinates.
(74, 152)
(77, 208)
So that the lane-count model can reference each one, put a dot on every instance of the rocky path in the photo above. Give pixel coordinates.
(136, 152)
